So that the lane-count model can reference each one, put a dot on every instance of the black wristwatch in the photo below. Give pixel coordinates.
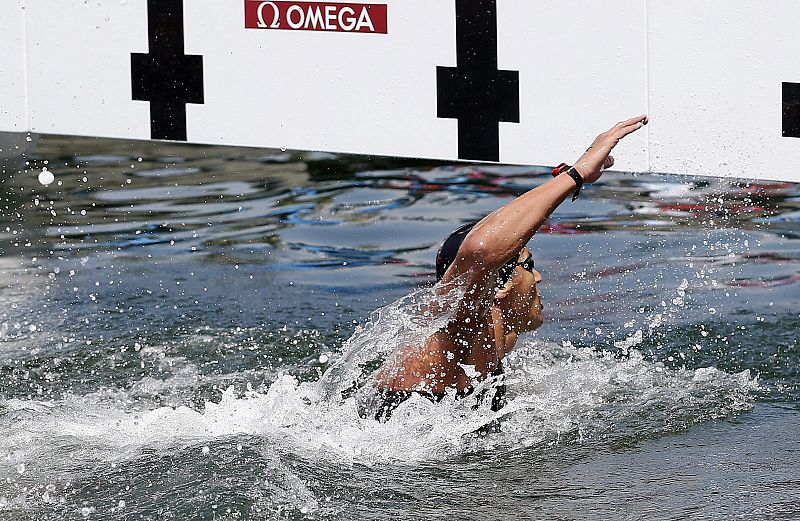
(574, 174)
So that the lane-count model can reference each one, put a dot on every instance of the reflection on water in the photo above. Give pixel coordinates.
(168, 311)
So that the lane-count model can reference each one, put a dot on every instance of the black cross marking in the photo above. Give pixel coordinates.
(166, 77)
(791, 110)
(476, 93)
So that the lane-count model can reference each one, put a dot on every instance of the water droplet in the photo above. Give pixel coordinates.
(46, 177)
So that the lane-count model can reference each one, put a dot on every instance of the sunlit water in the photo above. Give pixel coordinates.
(182, 327)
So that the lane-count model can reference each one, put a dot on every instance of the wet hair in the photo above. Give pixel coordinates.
(449, 249)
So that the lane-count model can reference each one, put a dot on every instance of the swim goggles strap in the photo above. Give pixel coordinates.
(573, 173)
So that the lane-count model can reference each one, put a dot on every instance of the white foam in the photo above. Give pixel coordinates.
(404, 322)
(556, 393)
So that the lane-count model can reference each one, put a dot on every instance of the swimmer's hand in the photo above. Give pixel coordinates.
(597, 158)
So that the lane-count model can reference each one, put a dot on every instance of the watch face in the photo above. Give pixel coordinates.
(560, 169)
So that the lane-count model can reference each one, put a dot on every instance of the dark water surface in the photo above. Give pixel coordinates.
(167, 312)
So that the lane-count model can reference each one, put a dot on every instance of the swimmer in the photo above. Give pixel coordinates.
(501, 299)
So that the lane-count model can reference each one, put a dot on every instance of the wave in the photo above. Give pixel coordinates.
(557, 394)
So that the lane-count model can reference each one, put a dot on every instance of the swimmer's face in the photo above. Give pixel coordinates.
(520, 297)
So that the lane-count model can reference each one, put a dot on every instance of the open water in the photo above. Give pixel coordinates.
(181, 328)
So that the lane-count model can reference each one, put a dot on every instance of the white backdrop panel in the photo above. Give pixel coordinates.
(13, 117)
(79, 69)
(367, 93)
(709, 74)
(716, 73)
(582, 68)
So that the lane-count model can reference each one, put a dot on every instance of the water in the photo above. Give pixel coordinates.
(168, 313)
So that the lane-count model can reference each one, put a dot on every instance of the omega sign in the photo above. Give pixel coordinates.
(316, 16)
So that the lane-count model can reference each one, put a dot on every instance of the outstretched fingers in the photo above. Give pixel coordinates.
(623, 128)
(632, 121)
(597, 158)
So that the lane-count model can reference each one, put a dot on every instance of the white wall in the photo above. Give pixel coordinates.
(79, 72)
(708, 73)
(13, 113)
(716, 70)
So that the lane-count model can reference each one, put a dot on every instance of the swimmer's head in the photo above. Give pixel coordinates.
(449, 249)
(519, 301)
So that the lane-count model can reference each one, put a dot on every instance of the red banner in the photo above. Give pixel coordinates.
(316, 16)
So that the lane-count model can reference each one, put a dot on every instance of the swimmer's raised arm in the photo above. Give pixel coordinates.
(501, 300)
(503, 233)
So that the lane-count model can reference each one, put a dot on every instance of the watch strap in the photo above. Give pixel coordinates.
(574, 174)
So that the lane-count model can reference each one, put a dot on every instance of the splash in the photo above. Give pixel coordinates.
(566, 394)
(404, 322)
(558, 395)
